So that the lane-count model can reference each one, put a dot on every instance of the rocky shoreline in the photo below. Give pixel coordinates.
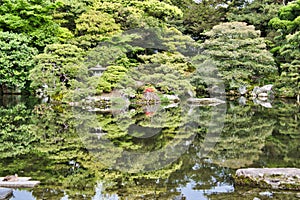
(271, 178)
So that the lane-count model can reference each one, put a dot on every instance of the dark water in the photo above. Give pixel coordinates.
(151, 152)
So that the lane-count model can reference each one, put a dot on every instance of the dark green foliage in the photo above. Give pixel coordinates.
(16, 135)
(58, 69)
(16, 59)
(257, 13)
(286, 50)
(69, 11)
(202, 16)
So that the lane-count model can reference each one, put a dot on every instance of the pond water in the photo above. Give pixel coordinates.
(151, 152)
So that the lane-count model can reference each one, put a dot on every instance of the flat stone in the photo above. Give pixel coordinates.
(275, 178)
(22, 182)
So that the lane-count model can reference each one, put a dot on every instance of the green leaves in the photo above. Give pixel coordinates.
(16, 59)
(286, 49)
(239, 53)
(257, 13)
(33, 18)
(137, 14)
(110, 78)
(93, 27)
(58, 68)
(16, 135)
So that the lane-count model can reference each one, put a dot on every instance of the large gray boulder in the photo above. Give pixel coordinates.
(273, 178)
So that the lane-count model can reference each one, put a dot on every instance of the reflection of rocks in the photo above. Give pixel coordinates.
(150, 97)
(151, 109)
(205, 101)
(98, 131)
(264, 91)
(263, 95)
(275, 178)
(265, 102)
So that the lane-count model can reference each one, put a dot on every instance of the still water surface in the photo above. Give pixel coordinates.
(151, 152)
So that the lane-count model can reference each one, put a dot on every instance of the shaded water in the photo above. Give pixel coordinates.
(152, 152)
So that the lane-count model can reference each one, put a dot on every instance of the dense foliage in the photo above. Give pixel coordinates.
(239, 54)
(242, 59)
(57, 145)
(172, 47)
(16, 135)
(286, 50)
(16, 60)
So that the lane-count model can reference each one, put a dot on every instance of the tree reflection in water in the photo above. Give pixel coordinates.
(46, 145)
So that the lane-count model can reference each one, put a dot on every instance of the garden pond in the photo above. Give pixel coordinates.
(146, 152)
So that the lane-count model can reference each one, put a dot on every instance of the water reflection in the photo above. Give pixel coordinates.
(43, 142)
(22, 195)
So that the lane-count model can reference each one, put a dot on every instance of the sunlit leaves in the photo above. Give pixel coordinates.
(93, 27)
(137, 14)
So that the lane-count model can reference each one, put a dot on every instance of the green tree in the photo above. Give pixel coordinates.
(201, 16)
(110, 78)
(257, 13)
(16, 59)
(59, 70)
(69, 11)
(240, 55)
(289, 81)
(286, 50)
(93, 27)
(163, 49)
(139, 14)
